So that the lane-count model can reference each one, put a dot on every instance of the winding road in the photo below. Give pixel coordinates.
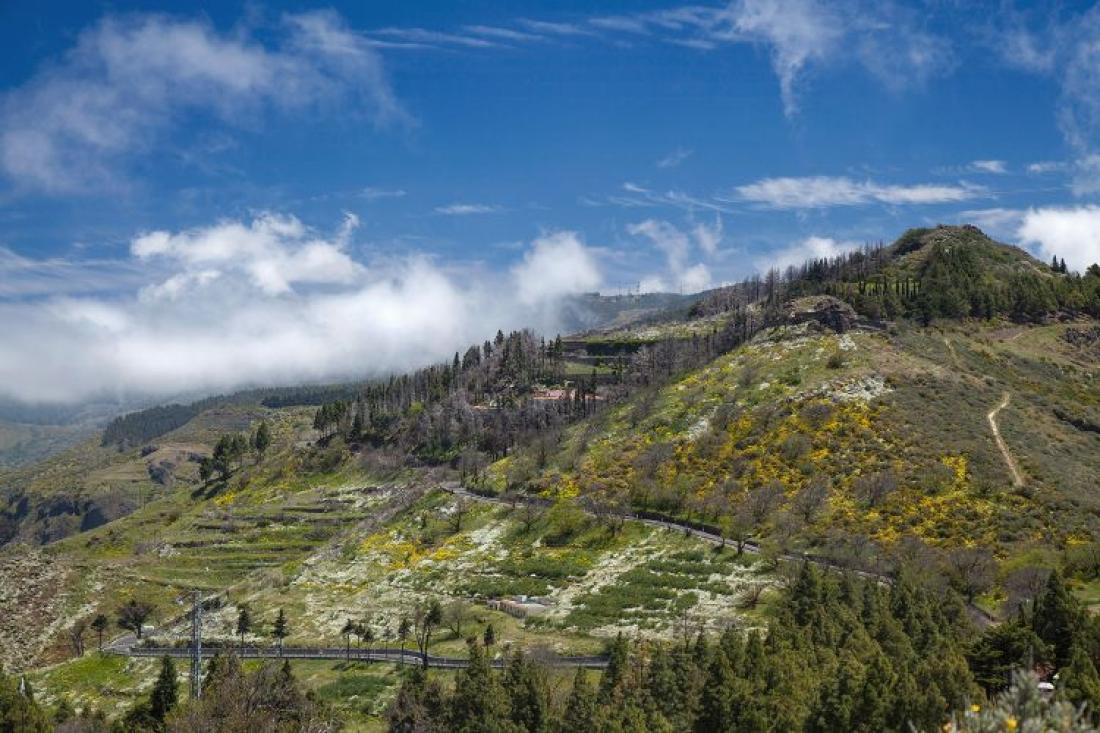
(982, 617)
(389, 655)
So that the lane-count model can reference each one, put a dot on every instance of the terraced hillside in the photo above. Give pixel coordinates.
(336, 542)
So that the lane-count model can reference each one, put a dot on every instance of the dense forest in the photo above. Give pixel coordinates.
(841, 655)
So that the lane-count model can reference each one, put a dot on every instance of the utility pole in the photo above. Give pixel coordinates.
(196, 646)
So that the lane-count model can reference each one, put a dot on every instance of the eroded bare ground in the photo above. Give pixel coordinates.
(32, 599)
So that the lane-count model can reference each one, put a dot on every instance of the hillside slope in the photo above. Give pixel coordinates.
(867, 435)
(925, 410)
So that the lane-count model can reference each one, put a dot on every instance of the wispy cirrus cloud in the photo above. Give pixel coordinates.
(1050, 41)
(1042, 167)
(27, 277)
(430, 38)
(129, 78)
(889, 40)
(555, 28)
(675, 158)
(371, 193)
(637, 196)
(466, 209)
(504, 34)
(996, 167)
(816, 192)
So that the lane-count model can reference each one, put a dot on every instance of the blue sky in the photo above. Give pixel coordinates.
(253, 161)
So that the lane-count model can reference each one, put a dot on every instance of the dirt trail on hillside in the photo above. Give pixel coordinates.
(1017, 477)
(951, 349)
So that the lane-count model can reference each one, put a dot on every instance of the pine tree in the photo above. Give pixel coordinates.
(1058, 619)
(613, 676)
(99, 625)
(404, 627)
(580, 709)
(279, 630)
(244, 623)
(262, 439)
(165, 690)
(479, 702)
(1078, 682)
(527, 690)
(347, 631)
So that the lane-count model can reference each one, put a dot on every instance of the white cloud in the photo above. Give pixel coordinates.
(1086, 178)
(888, 39)
(695, 279)
(996, 167)
(1065, 46)
(673, 243)
(1046, 166)
(675, 158)
(425, 36)
(557, 264)
(999, 222)
(370, 193)
(815, 192)
(653, 284)
(24, 277)
(799, 32)
(561, 29)
(1071, 233)
(130, 78)
(810, 248)
(1021, 43)
(892, 43)
(674, 199)
(506, 34)
(273, 252)
(466, 209)
(676, 246)
(708, 237)
(213, 315)
(622, 23)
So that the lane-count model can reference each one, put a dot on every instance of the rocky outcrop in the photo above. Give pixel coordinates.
(1085, 339)
(831, 313)
(41, 520)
